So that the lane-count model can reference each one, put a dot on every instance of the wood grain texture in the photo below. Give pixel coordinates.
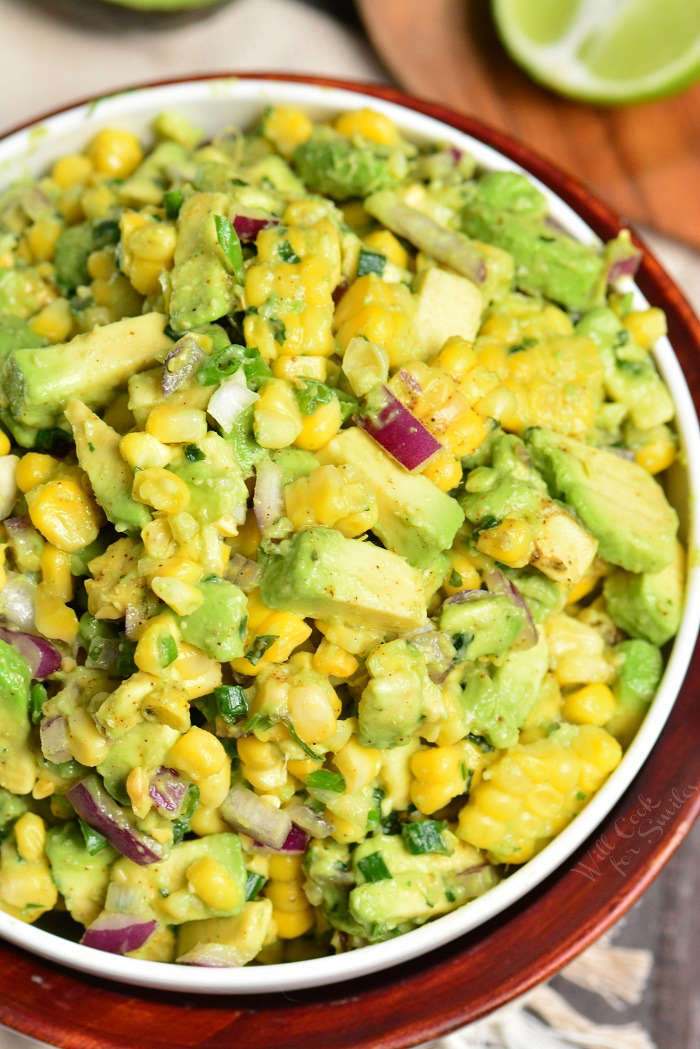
(644, 160)
(458, 983)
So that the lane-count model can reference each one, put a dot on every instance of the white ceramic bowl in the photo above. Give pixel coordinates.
(213, 104)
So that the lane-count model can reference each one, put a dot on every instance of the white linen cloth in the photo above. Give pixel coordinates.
(57, 51)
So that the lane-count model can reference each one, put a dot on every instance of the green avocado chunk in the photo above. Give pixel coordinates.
(38, 382)
(639, 669)
(542, 595)
(647, 605)
(202, 289)
(320, 573)
(394, 701)
(336, 167)
(509, 487)
(16, 333)
(146, 185)
(80, 877)
(416, 519)
(97, 448)
(619, 502)
(218, 626)
(16, 764)
(162, 889)
(505, 209)
(629, 373)
(487, 626)
(498, 698)
(70, 258)
(143, 746)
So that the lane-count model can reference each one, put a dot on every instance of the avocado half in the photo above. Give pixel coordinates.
(163, 5)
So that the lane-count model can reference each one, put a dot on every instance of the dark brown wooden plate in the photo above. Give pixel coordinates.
(481, 971)
(643, 159)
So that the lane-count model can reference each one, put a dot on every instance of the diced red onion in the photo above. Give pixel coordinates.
(248, 226)
(462, 596)
(624, 453)
(248, 813)
(295, 842)
(17, 525)
(308, 820)
(167, 790)
(41, 656)
(268, 498)
(213, 956)
(243, 572)
(498, 583)
(17, 601)
(410, 382)
(180, 363)
(625, 266)
(134, 618)
(118, 933)
(101, 812)
(400, 433)
(230, 399)
(338, 291)
(53, 735)
(125, 899)
(437, 649)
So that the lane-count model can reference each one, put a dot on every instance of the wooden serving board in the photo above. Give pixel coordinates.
(643, 159)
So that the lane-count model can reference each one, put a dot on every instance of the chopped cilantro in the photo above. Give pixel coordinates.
(230, 703)
(193, 454)
(287, 253)
(228, 360)
(94, 841)
(424, 837)
(172, 201)
(370, 262)
(324, 779)
(260, 647)
(230, 244)
(167, 650)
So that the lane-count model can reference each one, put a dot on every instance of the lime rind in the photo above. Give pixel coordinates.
(557, 64)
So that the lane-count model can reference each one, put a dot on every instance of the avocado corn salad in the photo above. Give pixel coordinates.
(335, 572)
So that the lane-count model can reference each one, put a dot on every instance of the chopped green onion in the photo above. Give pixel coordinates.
(172, 200)
(323, 779)
(94, 841)
(370, 262)
(189, 803)
(253, 884)
(424, 837)
(167, 650)
(260, 647)
(230, 703)
(481, 742)
(37, 698)
(373, 867)
(230, 244)
(298, 740)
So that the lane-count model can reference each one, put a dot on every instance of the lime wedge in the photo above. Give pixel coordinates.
(605, 51)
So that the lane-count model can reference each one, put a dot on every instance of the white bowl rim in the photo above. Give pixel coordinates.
(28, 148)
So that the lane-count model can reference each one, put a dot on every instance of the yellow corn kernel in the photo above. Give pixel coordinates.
(646, 326)
(71, 170)
(591, 705)
(98, 201)
(54, 322)
(289, 629)
(509, 542)
(137, 783)
(184, 527)
(197, 673)
(313, 711)
(292, 368)
(300, 768)
(656, 456)
(286, 127)
(333, 660)
(54, 619)
(183, 598)
(157, 645)
(115, 152)
(247, 541)
(4, 443)
(210, 880)
(207, 821)
(290, 925)
(369, 124)
(173, 424)
(161, 489)
(386, 243)
(180, 568)
(55, 572)
(586, 584)
(277, 420)
(457, 357)
(285, 868)
(501, 326)
(463, 573)
(148, 248)
(30, 836)
(198, 754)
(444, 470)
(499, 404)
(70, 205)
(333, 496)
(358, 765)
(158, 539)
(142, 451)
(42, 237)
(320, 427)
(64, 514)
(87, 744)
(34, 469)
(286, 896)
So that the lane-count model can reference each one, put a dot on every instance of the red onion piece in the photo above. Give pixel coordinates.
(626, 266)
(248, 813)
(295, 842)
(338, 291)
(213, 956)
(17, 525)
(462, 596)
(167, 790)
(17, 601)
(248, 226)
(399, 432)
(53, 735)
(229, 399)
(180, 363)
(40, 655)
(437, 648)
(101, 812)
(305, 818)
(268, 498)
(498, 583)
(118, 933)
(410, 382)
